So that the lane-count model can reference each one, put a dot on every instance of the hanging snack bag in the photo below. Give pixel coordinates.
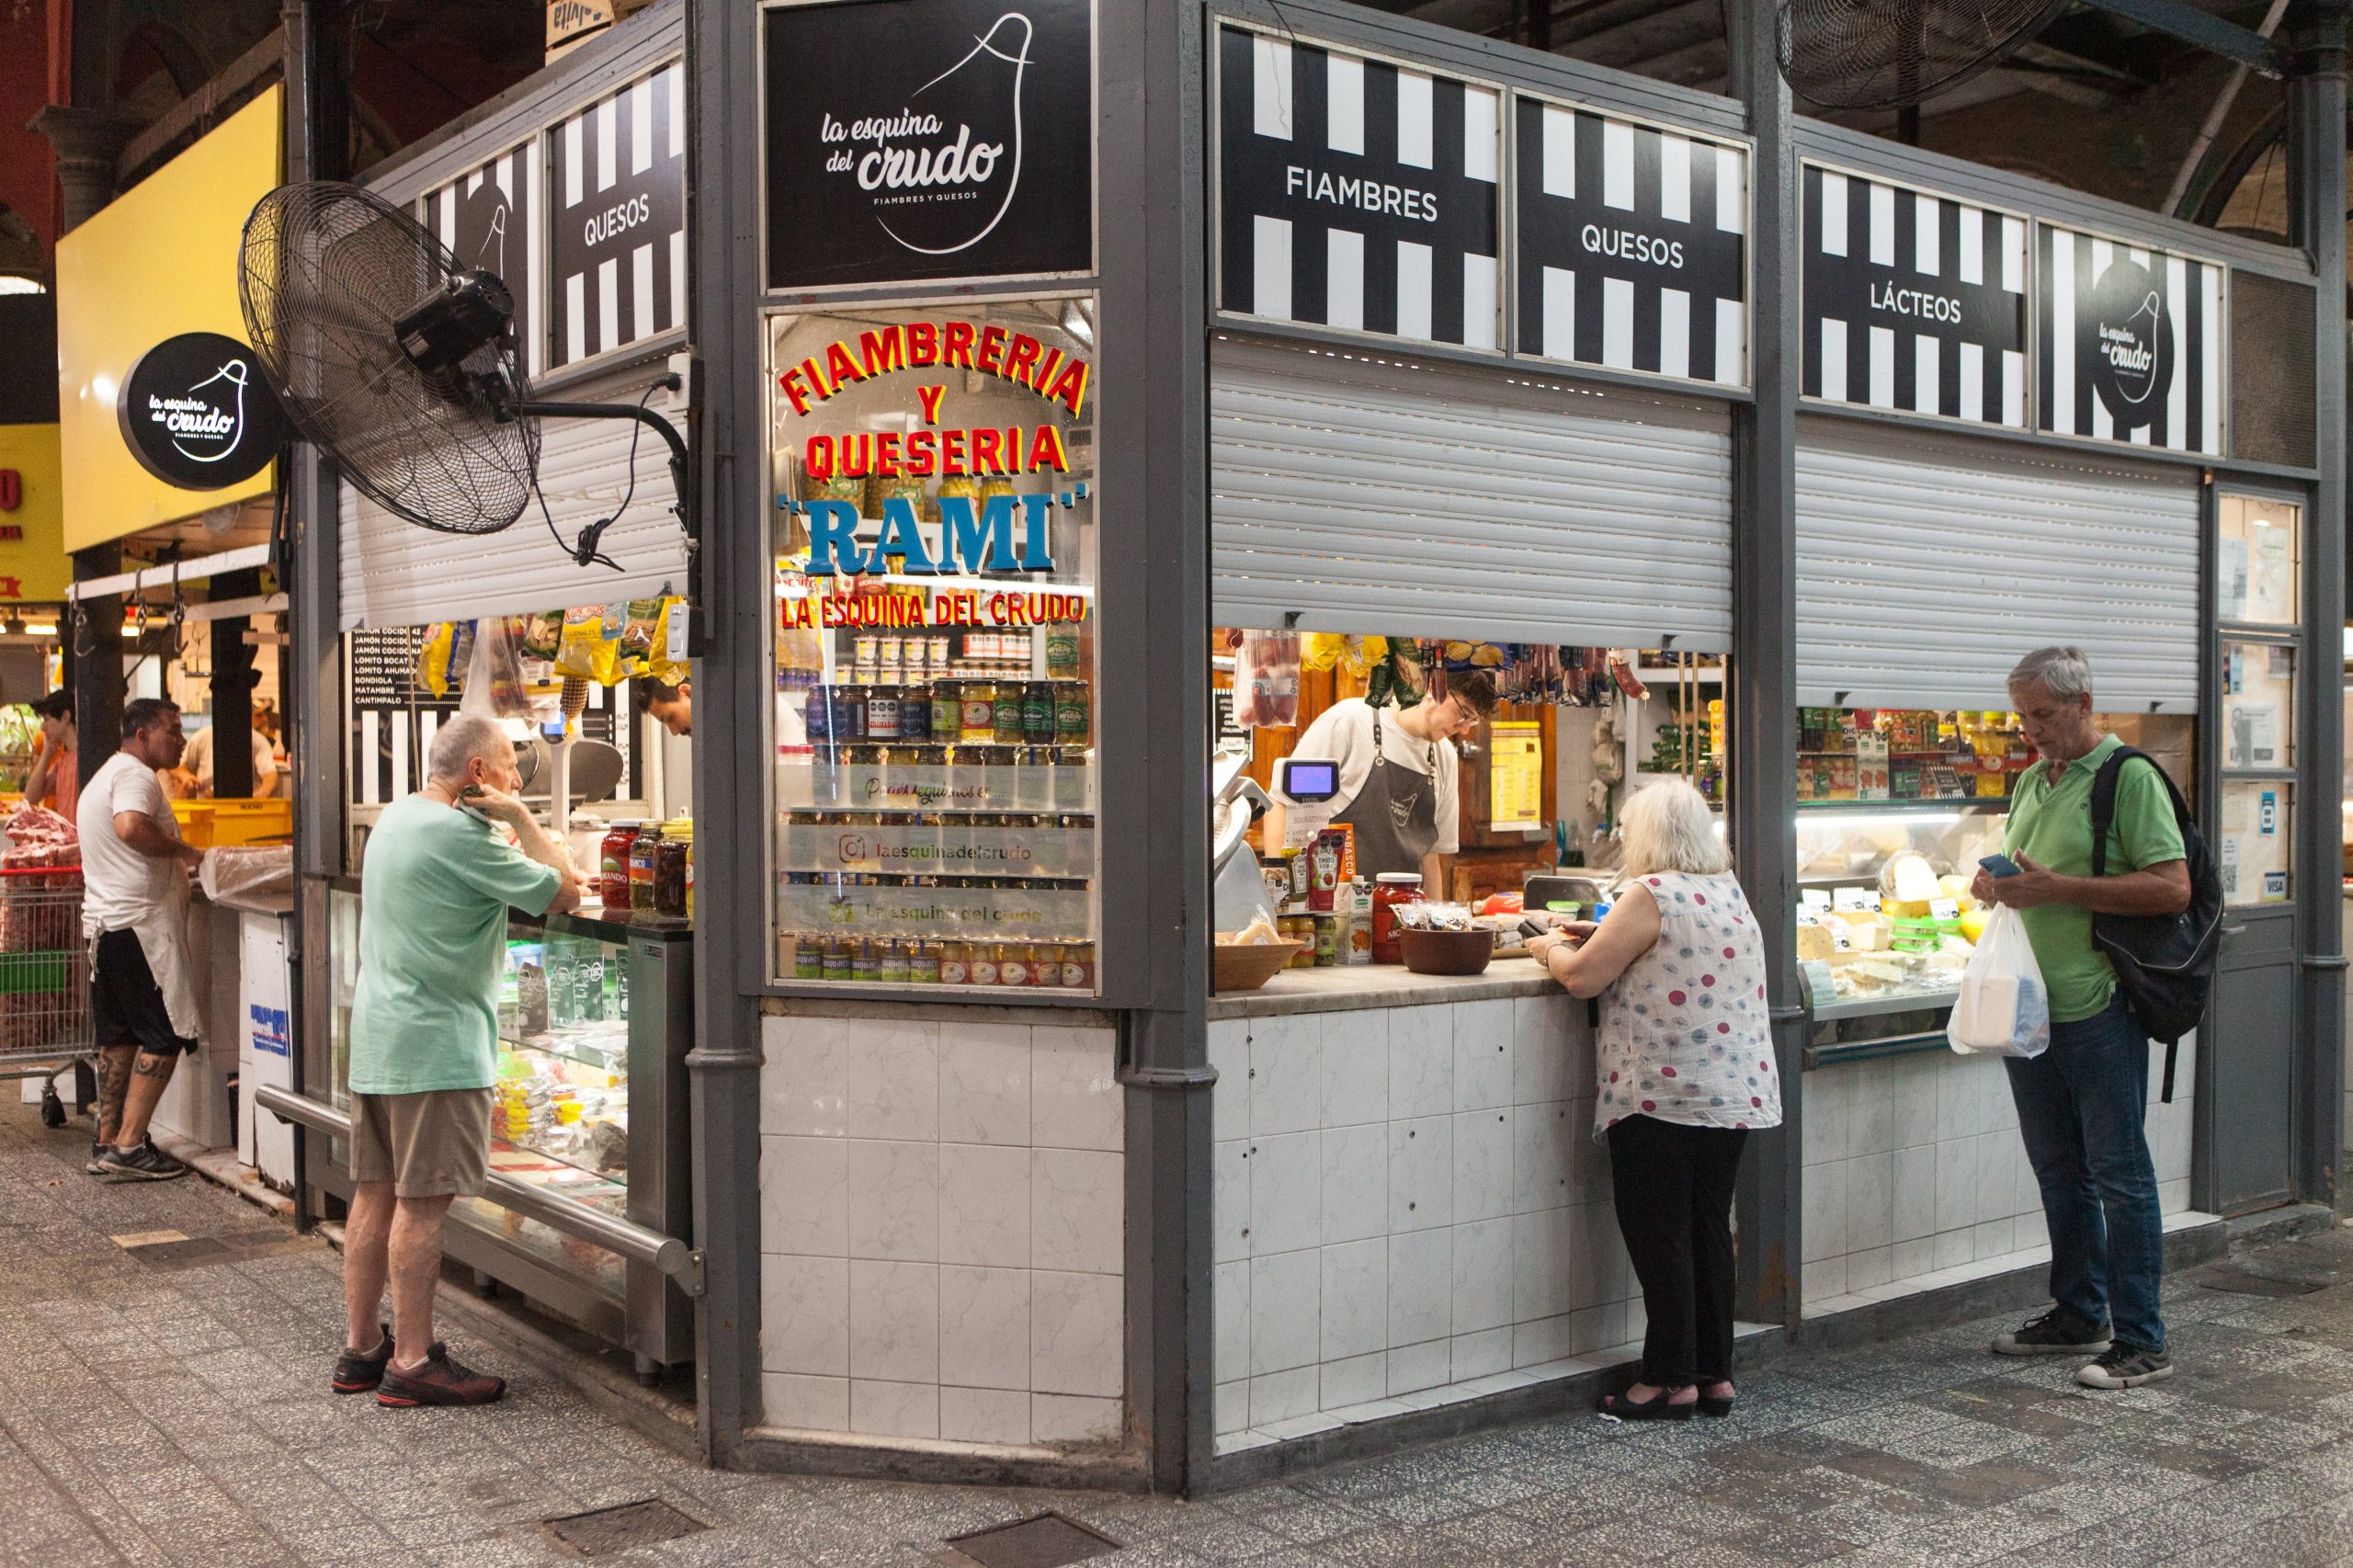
(590, 647)
(641, 623)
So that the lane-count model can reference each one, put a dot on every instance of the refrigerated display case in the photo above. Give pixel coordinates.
(595, 1018)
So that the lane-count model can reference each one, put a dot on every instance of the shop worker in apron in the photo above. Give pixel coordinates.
(1399, 776)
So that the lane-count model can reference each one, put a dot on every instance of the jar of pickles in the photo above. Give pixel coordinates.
(670, 868)
(641, 868)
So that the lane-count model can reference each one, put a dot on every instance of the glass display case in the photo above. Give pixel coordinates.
(934, 540)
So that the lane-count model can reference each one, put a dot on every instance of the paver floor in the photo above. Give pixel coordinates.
(171, 1410)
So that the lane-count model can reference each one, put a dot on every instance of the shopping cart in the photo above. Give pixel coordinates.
(44, 980)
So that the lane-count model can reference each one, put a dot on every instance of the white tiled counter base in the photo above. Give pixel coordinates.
(1916, 1177)
(943, 1224)
(1409, 1208)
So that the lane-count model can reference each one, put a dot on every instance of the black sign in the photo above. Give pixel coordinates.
(617, 248)
(1914, 300)
(1356, 194)
(1632, 246)
(942, 139)
(485, 217)
(2132, 343)
(196, 412)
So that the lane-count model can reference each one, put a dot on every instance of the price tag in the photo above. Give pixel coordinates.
(1944, 909)
(1813, 898)
(1818, 978)
(1863, 899)
(1839, 940)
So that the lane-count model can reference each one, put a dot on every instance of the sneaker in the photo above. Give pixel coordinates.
(97, 1164)
(440, 1379)
(2056, 1333)
(146, 1162)
(357, 1373)
(2125, 1367)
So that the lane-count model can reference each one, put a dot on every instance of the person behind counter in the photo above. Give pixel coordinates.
(434, 891)
(1684, 1060)
(55, 781)
(1399, 777)
(199, 762)
(672, 706)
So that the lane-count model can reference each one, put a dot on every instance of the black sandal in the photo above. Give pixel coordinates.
(1709, 1404)
(1659, 1407)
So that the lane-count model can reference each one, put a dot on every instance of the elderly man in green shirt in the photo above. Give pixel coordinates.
(2081, 1103)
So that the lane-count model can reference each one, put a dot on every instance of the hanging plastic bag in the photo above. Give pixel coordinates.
(1266, 680)
(2005, 1009)
(494, 684)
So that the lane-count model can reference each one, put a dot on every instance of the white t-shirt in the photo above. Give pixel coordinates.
(198, 760)
(1343, 732)
(121, 887)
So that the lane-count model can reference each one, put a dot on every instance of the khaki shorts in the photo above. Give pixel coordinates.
(432, 1145)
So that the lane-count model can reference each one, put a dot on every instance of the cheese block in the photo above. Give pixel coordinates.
(1815, 941)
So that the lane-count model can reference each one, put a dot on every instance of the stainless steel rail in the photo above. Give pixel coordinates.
(635, 1242)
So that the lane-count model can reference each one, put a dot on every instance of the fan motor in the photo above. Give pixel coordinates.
(469, 312)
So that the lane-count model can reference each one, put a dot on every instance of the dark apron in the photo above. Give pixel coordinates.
(1394, 816)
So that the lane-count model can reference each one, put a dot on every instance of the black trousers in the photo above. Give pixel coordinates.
(1674, 1187)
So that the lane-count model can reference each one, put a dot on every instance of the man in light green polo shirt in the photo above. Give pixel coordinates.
(2081, 1103)
(436, 886)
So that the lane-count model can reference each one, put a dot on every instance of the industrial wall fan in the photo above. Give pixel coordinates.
(1868, 54)
(400, 362)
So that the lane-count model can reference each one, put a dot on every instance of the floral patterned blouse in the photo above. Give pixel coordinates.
(1684, 1034)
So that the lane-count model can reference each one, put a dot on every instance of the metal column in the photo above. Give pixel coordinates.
(1761, 705)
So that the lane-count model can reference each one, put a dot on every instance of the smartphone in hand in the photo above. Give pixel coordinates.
(1999, 865)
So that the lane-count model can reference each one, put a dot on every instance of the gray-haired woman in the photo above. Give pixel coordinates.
(1684, 1064)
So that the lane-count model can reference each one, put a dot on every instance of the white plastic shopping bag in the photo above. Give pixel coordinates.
(2004, 1009)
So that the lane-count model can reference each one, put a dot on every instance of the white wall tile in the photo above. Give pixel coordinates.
(2173, 1197)
(1233, 1407)
(1286, 1308)
(1825, 1277)
(1421, 1286)
(1546, 1339)
(1075, 1101)
(1482, 1164)
(1482, 1275)
(804, 1315)
(1417, 1367)
(1543, 1048)
(806, 1404)
(2031, 1230)
(1230, 1199)
(894, 1086)
(1870, 1202)
(804, 1196)
(1870, 1267)
(1914, 1086)
(1480, 1355)
(1913, 1258)
(1996, 1107)
(1060, 1418)
(985, 1328)
(1286, 1193)
(1826, 1211)
(1589, 1180)
(1354, 1050)
(984, 1205)
(1421, 1173)
(1915, 1193)
(1229, 1095)
(985, 1084)
(1999, 1155)
(1953, 1248)
(894, 1409)
(1076, 1333)
(894, 1321)
(1990, 1239)
(1279, 1396)
(1826, 1095)
(1956, 1184)
(1597, 1328)
(1543, 1262)
(1360, 1379)
(984, 1415)
(1543, 1154)
(1421, 1061)
(1355, 1297)
(1077, 1209)
(1870, 1118)
(894, 1200)
(804, 1085)
(1356, 1182)
(1482, 1053)
(1230, 1283)
(1956, 1099)
(1286, 1074)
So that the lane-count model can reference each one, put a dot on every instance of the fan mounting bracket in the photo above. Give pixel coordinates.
(584, 550)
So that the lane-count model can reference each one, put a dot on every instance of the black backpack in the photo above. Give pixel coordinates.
(2165, 963)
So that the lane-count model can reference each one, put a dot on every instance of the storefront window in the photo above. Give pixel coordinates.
(935, 546)
(1908, 754)
(2258, 705)
(2255, 561)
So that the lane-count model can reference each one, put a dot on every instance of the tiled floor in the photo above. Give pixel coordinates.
(159, 1411)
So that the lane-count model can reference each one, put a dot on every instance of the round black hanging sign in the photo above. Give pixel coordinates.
(196, 412)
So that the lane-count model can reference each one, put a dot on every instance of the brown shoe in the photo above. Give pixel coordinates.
(440, 1379)
(357, 1372)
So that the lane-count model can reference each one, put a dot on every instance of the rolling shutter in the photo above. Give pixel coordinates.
(1927, 564)
(396, 573)
(1362, 491)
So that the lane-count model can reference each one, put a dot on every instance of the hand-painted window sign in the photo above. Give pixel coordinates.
(1356, 194)
(1632, 246)
(618, 245)
(490, 218)
(1914, 302)
(2132, 343)
(196, 412)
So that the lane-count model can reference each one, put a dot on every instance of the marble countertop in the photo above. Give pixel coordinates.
(1348, 986)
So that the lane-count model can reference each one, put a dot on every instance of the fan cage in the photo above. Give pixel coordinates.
(1867, 54)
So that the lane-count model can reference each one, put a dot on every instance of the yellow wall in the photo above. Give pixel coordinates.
(159, 260)
(33, 569)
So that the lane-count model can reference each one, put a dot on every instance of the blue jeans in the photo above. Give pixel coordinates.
(2080, 1105)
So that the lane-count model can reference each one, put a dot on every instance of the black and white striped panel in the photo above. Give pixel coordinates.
(1914, 300)
(1357, 193)
(1632, 246)
(618, 250)
(491, 218)
(2132, 342)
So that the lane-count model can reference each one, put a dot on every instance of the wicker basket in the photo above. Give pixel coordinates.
(1246, 967)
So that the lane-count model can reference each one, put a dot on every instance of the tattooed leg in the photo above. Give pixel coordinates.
(114, 1084)
(148, 1076)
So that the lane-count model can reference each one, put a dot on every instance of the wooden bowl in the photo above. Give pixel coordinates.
(1245, 967)
(1447, 952)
